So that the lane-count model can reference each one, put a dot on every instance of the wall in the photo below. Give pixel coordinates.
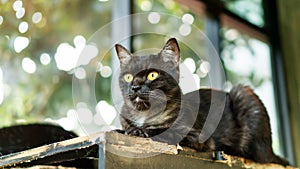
(289, 25)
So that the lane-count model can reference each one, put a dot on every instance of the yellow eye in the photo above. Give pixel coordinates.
(128, 77)
(152, 76)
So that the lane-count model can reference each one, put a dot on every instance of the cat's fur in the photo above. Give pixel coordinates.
(157, 109)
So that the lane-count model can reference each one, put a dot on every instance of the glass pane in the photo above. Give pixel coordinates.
(39, 45)
(251, 10)
(247, 61)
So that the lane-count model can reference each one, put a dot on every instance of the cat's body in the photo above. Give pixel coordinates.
(155, 107)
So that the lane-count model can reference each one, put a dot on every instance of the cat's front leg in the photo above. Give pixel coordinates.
(136, 131)
(129, 128)
(133, 131)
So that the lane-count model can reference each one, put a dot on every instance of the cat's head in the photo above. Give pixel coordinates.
(155, 77)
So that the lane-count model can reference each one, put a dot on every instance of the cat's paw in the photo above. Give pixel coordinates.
(133, 131)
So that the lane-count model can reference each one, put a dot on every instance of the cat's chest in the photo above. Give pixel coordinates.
(141, 119)
(139, 122)
(150, 120)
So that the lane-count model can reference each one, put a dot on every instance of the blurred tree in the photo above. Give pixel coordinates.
(30, 33)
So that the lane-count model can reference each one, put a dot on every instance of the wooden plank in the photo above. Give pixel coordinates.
(187, 158)
(78, 145)
(122, 151)
(86, 147)
(136, 146)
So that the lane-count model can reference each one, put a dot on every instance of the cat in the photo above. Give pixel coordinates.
(154, 107)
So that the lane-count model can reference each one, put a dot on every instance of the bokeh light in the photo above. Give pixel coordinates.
(85, 115)
(1, 87)
(190, 64)
(231, 34)
(205, 67)
(80, 73)
(189, 81)
(65, 57)
(154, 17)
(17, 5)
(187, 19)
(20, 13)
(37, 17)
(79, 41)
(1, 19)
(105, 113)
(23, 27)
(45, 58)
(105, 71)
(20, 43)
(146, 5)
(28, 65)
(185, 29)
(90, 51)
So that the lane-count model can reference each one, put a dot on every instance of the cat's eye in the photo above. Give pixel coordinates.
(128, 77)
(152, 75)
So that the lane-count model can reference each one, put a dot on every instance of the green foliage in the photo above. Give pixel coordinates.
(48, 91)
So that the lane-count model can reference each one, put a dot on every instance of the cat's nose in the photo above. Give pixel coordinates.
(135, 88)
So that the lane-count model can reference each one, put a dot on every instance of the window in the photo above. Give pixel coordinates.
(247, 60)
(250, 10)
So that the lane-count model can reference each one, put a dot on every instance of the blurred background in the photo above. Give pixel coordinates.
(41, 41)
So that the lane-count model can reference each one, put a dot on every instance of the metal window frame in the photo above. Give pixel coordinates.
(122, 29)
(272, 30)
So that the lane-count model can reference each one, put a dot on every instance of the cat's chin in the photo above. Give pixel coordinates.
(140, 104)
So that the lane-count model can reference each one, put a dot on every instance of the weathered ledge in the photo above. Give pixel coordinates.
(125, 152)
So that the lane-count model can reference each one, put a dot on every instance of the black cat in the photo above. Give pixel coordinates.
(155, 107)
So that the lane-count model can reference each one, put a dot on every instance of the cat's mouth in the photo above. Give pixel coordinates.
(139, 99)
(140, 103)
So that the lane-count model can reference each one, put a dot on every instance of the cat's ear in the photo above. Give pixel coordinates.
(123, 54)
(170, 51)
